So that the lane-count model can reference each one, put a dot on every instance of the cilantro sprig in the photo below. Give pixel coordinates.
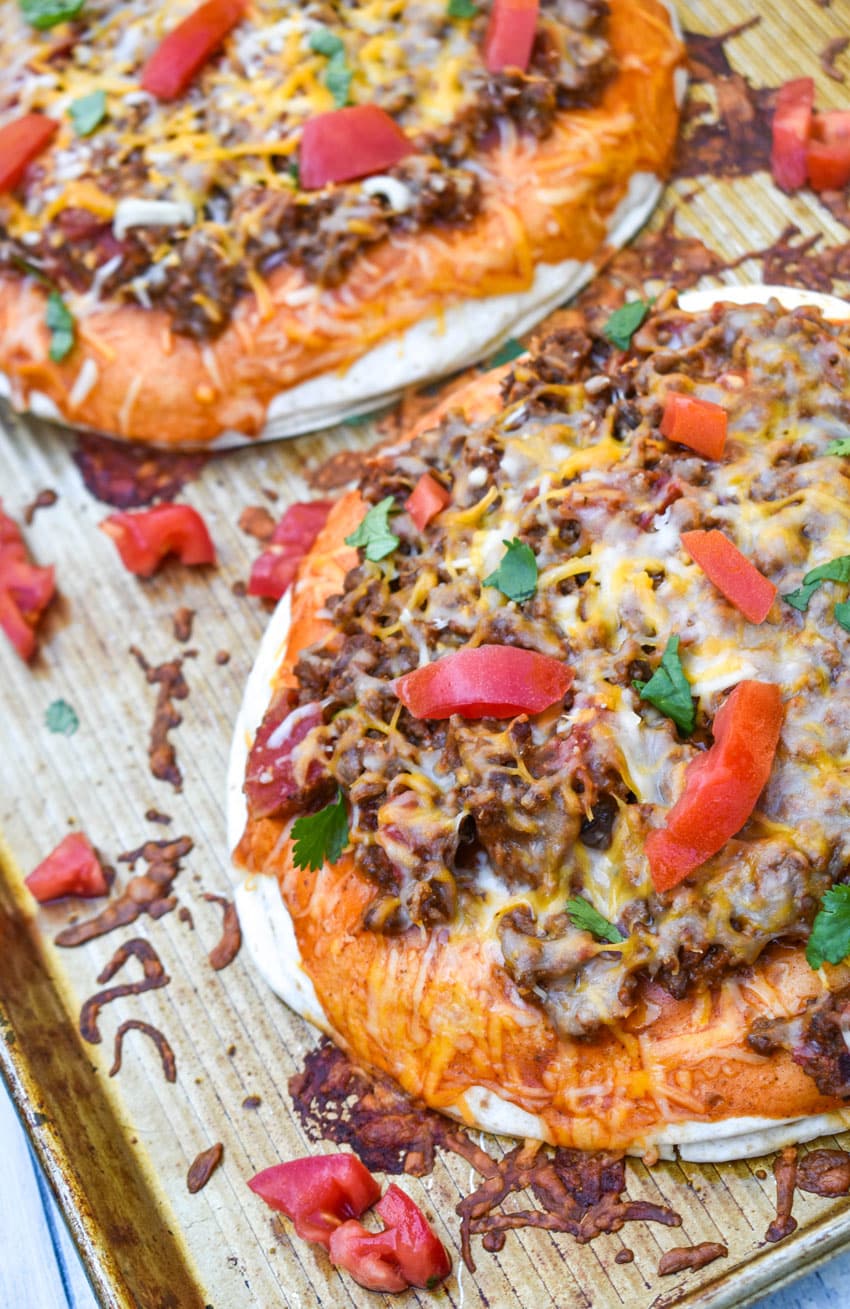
(461, 9)
(88, 112)
(320, 838)
(625, 321)
(373, 535)
(830, 937)
(582, 914)
(835, 570)
(839, 447)
(47, 13)
(60, 323)
(516, 576)
(669, 690)
(338, 73)
(61, 717)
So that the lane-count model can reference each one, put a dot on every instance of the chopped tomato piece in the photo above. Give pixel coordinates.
(722, 785)
(510, 34)
(181, 54)
(270, 781)
(426, 500)
(828, 165)
(495, 681)
(145, 538)
(20, 142)
(25, 589)
(345, 144)
(420, 1253)
(274, 570)
(732, 573)
(370, 1257)
(699, 424)
(72, 869)
(832, 126)
(792, 127)
(318, 1193)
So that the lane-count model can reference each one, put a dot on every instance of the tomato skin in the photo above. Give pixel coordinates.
(370, 1257)
(828, 165)
(72, 868)
(274, 570)
(510, 34)
(185, 50)
(731, 572)
(143, 539)
(427, 499)
(318, 1193)
(20, 142)
(722, 786)
(699, 424)
(831, 126)
(25, 589)
(345, 144)
(421, 1255)
(791, 129)
(485, 681)
(270, 782)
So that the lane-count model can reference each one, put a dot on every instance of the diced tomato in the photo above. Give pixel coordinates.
(731, 572)
(274, 570)
(698, 424)
(420, 1253)
(318, 1193)
(270, 782)
(832, 126)
(145, 538)
(828, 165)
(792, 127)
(496, 681)
(25, 589)
(72, 869)
(181, 54)
(426, 500)
(345, 144)
(21, 141)
(370, 1257)
(510, 34)
(722, 785)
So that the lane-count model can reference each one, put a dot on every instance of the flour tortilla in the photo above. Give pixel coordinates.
(270, 937)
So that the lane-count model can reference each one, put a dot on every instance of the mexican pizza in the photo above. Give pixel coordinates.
(564, 738)
(228, 219)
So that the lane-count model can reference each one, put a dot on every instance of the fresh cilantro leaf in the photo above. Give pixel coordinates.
(512, 349)
(841, 447)
(321, 837)
(338, 73)
(373, 534)
(461, 9)
(516, 576)
(582, 914)
(294, 171)
(325, 42)
(669, 690)
(47, 13)
(88, 112)
(841, 614)
(830, 938)
(625, 321)
(61, 717)
(835, 570)
(338, 77)
(61, 324)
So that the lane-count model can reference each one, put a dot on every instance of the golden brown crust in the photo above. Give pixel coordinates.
(546, 202)
(440, 1014)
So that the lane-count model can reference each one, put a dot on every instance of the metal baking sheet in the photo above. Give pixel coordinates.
(117, 1149)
